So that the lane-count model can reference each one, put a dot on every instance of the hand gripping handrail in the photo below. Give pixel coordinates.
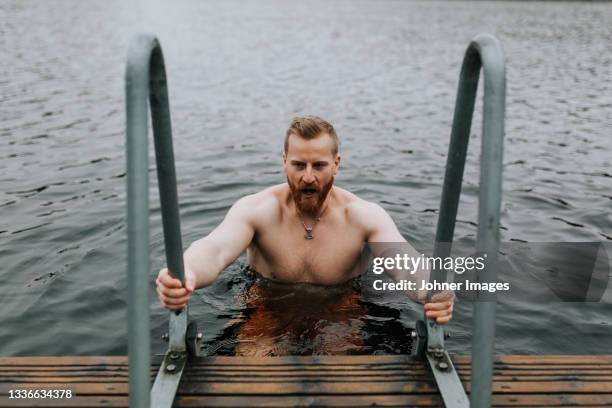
(146, 79)
(484, 51)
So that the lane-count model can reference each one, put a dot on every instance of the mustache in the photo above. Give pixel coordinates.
(309, 189)
(303, 202)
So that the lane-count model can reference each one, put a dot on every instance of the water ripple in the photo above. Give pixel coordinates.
(384, 72)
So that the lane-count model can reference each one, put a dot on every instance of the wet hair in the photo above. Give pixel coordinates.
(309, 127)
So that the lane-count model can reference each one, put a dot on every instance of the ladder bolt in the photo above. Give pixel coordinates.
(443, 366)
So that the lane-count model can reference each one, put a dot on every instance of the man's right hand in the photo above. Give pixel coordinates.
(171, 292)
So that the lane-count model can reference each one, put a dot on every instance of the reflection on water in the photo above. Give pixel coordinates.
(384, 72)
(305, 319)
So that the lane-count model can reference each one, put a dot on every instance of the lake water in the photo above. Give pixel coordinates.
(383, 72)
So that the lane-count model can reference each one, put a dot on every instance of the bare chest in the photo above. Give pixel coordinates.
(332, 256)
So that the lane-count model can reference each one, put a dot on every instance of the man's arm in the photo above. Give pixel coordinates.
(383, 230)
(207, 257)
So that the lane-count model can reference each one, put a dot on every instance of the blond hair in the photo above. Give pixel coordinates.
(309, 127)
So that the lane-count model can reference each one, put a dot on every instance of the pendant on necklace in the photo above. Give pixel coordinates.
(308, 234)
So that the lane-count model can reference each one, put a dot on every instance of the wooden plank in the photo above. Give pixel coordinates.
(506, 400)
(375, 377)
(392, 401)
(426, 400)
(297, 378)
(534, 400)
(308, 360)
(312, 367)
(242, 388)
(110, 388)
(53, 361)
(322, 387)
(554, 359)
(66, 375)
(254, 377)
(331, 401)
(216, 370)
(220, 372)
(543, 381)
(307, 387)
(231, 401)
(390, 387)
(77, 401)
(229, 379)
(515, 360)
(539, 387)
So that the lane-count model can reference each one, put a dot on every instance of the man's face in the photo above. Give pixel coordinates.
(310, 166)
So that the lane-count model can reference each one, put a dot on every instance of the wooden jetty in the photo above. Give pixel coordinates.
(353, 381)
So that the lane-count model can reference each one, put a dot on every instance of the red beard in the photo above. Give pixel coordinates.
(309, 203)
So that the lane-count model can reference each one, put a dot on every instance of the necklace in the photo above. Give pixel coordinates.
(308, 234)
(308, 230)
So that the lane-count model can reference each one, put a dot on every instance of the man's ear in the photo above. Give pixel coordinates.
(337, 163)
(285, 161)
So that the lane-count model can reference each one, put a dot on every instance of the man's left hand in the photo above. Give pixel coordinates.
(440, 307)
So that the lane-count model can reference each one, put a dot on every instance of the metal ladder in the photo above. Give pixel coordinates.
(146, 80)
(484, 52)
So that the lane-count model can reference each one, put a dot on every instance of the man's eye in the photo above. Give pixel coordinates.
(299, 165)
(319, 165)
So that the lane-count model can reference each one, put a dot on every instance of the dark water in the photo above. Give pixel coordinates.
(384, 72)
(273, 318)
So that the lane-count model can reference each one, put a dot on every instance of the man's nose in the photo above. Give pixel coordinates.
(308, 176)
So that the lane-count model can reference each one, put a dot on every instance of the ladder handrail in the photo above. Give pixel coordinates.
(485, 51)
(146, 80)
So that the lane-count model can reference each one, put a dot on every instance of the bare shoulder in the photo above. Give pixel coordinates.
(360, 211)
(262, 205)
(375, 222)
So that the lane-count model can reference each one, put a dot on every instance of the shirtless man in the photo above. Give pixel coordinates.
(304, 231)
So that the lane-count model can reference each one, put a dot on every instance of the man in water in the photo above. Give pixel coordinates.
(304, 231)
